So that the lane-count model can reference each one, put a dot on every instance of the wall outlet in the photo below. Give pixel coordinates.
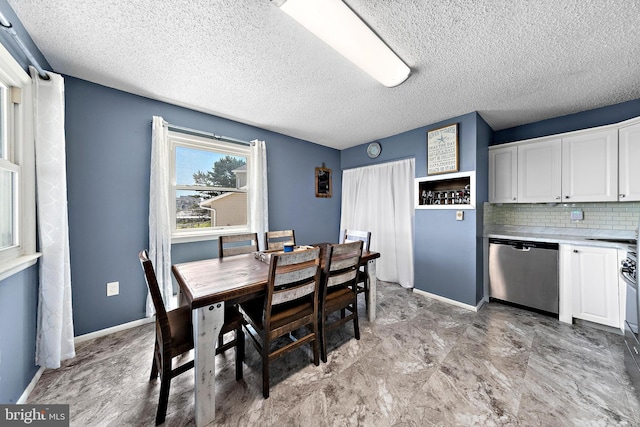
(577, 215)
(459, 215)
(113, 288)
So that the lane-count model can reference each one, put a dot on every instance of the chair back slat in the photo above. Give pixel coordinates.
(237, 244)
(355, 235)
(293, 293)
(342, 263)
(297, 275)
(342, 278)
(275, 240)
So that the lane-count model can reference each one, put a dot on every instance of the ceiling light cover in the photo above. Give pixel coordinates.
(334, 23)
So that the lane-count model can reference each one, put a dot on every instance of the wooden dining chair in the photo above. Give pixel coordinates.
(339, 289)
(174, 337)
(363, 273)
(275, 240)
(291, 303)
(237, 244)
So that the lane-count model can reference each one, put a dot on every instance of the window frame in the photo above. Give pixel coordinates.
(21, 161)
(191, 141)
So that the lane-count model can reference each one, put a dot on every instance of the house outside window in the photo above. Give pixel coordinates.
(209, 186)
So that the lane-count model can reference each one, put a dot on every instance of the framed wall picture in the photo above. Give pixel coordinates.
(442, 150)
(323, 182)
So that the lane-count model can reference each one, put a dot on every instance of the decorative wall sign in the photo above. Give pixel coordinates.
(442, 150)
(323, 182)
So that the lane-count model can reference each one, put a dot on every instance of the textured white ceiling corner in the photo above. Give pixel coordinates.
(514, 62)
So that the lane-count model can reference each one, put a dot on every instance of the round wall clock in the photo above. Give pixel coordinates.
(373, 150)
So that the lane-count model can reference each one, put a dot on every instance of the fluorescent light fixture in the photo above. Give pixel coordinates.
(334, 23)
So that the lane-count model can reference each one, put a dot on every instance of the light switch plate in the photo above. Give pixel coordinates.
(113, 288)
(577, 215)
(459, 215)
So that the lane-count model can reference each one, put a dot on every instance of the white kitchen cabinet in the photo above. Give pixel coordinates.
(539, 171)
(590, 166)
(592, 277)
(503, 175)
(629, 163)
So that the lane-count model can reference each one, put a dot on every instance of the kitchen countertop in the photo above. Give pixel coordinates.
(571, 236)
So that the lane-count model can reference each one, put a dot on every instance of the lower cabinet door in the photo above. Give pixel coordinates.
(594, 281)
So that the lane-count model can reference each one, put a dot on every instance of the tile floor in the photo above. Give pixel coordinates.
(421, 363)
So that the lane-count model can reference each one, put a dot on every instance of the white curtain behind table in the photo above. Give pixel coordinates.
(159, 214)
(379, 199)
(54, 341)
(259, 203)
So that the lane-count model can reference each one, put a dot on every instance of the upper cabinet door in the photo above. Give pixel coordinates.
(503, 175)
(590, 167)
(629, 163)
(539, 172)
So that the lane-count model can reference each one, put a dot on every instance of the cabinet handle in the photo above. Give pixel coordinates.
(566, 197)
(621, 196)
(575, 251)
(515, 198)
(558, 198)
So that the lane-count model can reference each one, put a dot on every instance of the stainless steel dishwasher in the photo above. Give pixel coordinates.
(524, 273)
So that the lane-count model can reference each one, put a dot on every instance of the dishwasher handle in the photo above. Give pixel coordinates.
(524, 245)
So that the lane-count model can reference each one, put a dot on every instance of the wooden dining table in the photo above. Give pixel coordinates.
(207, 286)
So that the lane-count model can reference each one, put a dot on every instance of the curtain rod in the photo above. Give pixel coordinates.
(4, 23)
(207, 134)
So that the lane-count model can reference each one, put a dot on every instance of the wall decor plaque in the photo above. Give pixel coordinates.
(323, 182)
(442, 150)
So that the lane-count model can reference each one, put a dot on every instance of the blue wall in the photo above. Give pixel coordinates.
(18, 293)
(583, 120)
(18, 305)
(108, 156)
(447, 253)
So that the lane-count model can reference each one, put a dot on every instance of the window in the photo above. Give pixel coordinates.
(17, 174)
(9, 173)
(209, 186)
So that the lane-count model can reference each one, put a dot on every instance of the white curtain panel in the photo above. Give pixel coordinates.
(379, 199)
(259, 203)
(54, 341)
(159, 214)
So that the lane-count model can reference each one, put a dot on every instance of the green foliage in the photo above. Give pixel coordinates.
(220, 175)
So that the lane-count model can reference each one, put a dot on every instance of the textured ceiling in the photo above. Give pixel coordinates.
(514, 62)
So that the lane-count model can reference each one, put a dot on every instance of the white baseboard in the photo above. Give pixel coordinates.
(27, 391)
(451, 301)
(113, 329)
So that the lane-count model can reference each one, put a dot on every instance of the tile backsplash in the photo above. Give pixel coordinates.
(603, 216)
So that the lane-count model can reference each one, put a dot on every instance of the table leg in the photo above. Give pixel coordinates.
(207, 323)
(371, 268)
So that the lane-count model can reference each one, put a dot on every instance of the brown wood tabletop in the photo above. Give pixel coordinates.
(230, 279)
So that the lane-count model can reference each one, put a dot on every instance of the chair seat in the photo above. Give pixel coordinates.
(232, 319)
(338, 298)
(280, 315)
(181, 330)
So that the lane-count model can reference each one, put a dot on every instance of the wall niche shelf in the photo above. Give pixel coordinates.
(450, 191)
